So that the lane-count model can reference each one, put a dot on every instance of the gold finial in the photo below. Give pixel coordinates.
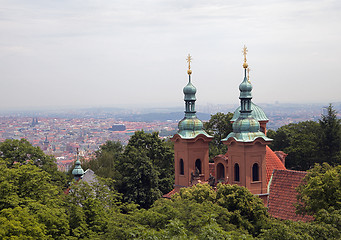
(245, 65)
(248, 74)
(189, 60)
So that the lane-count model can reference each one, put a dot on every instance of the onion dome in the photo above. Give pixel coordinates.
(248, 124)
(257, 113)
(246, 127)
(190, 91)
(245, 89)
(78, 171)
(190, 126)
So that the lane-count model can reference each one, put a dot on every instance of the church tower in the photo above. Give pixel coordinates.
(247, 144)
(190, 142)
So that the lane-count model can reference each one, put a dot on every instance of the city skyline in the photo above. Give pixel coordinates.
(126, 54)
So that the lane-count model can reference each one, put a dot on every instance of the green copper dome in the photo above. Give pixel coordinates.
(190, 91)
(257, 113)
(246, 127)
(248, 124)
(78, 171)
(190, 126)
(245, 89)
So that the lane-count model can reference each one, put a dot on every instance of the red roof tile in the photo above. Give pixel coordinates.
(171, 193)
(282, 195)
(272, 163)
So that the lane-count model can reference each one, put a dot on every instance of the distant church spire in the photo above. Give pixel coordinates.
(78, 171)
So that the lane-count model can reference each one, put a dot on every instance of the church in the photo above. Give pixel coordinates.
(248, 162)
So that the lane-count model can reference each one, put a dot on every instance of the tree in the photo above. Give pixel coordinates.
(244, 210)
(300, 142)
(219, 126)
(139, 178)
(330, 143)
(248, 210)
(105, 160)
(307, 143)
(321, 189)
(160, 154)
(143, 170)
(18, 223)
(91, 206)
(20, 151)
(33, 190)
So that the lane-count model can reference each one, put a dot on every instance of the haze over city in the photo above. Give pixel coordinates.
(132, 53)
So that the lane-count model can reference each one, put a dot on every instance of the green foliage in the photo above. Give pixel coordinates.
(160, 154)
(143, 170)
(32, 189)
(20, 151)
(300, 142)
(106, 158)
(32, 205)
(219, 126)
(90, 207)
(242, 209)
(282, 230)
(321, 189)
(18, 223)
(22, 184)
(330, 141)
(307, 143)
(248, 210)
(200, 212)
(139, 181)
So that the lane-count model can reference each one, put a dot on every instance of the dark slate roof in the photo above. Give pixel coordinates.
(282, 195)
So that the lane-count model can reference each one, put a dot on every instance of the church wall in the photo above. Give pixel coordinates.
(190, 151)
(245, 155)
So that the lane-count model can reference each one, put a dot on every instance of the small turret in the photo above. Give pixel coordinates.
(78, 171)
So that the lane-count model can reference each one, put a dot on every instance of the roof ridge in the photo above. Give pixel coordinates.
(289, 170)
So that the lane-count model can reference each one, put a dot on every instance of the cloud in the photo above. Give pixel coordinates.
(105, 47)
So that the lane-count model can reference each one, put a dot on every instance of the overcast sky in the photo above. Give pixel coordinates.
(126, 52)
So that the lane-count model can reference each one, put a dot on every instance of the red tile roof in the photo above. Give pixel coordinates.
(272, 163)
(171, 193)
(282, 195)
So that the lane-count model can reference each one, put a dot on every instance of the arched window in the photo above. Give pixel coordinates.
(236, 172)
(198, 165)
(255, 172)
(220, 171)
(182, 170)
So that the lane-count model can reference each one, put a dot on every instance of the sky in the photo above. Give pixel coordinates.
(132, 53)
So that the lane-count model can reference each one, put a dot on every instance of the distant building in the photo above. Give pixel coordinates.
(34, 122)
(118, 127)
